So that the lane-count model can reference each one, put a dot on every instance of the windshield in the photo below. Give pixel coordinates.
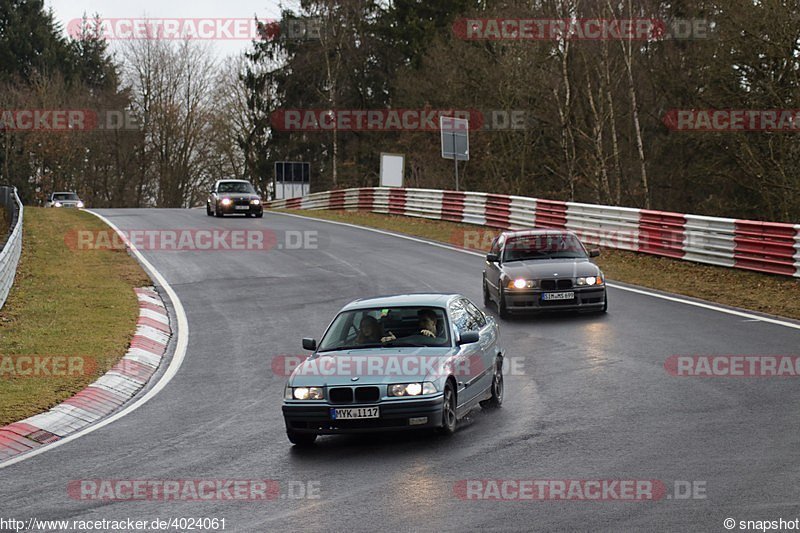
(65, 196)
(546, 246)
(236, 186)
(389, 327)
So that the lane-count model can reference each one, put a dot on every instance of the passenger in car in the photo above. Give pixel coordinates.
(369, 331)
(427, 325)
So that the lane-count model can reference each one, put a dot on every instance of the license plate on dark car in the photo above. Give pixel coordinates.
(550, 296)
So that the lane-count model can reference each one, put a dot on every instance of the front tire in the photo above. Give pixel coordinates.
(218, 212)
(605, 301)
(502, 309)
(208, 209)
(496, 400)
(301, 439)
(487, 299)
(449, 420)
(260, 215)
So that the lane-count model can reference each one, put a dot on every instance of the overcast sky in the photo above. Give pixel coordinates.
(66, 10)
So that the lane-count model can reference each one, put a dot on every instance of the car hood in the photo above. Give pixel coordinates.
(371, 367)
(551, 268)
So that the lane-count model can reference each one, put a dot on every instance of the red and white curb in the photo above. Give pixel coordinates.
(104, 396)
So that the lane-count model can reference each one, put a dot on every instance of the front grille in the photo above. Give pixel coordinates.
(241, 201)
(367, 394)
(553, 284)
(341, 395)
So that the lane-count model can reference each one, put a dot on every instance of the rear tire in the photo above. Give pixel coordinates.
(449, 420)
(301, 439)
(496, 400)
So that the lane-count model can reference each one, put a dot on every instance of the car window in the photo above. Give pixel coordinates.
(235, 186)
(477, 314)
(544, 246)
(393, 326)
(495, 249)
(463, 320)
(65, 196)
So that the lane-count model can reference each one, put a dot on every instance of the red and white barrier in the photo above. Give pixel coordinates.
(105, 395)
(761, 246)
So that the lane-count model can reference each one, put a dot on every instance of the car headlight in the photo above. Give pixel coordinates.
(80, 205)
(303, 393)
(57, 204)
(226, 201)
(411, 389)
(520, 283)
(255, 202)
(590, 280)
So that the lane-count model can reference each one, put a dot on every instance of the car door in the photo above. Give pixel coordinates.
(493, 269)
(467, 365)
(487, 344)
(214, 197)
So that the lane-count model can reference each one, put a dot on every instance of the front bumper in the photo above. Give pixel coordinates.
(588, 298)
(394, 416)
(232, 209)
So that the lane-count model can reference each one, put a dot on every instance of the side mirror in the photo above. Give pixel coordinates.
(594, 252)
(492, 258)
(469, 337)
(309, 344)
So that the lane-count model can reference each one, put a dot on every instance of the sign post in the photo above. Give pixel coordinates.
(294, 176)
(455, 140)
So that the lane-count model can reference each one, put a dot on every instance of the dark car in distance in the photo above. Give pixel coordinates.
(234, 197)
(542, 270)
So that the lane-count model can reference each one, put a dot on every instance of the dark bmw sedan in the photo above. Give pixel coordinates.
(232, 197)
(541, 270)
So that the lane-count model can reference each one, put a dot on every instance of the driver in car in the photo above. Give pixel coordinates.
(427, 325)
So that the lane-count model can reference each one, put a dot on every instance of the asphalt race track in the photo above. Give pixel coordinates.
(590, 400)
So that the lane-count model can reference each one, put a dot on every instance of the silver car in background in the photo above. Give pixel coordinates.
(64, 199)
(395, 363)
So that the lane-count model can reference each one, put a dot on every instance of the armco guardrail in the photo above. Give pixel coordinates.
(12, 247)
(761, 246)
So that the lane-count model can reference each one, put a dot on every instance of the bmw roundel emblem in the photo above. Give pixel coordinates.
(354, 378)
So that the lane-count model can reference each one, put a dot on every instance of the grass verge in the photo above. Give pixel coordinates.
(766, 293)
(64, 302)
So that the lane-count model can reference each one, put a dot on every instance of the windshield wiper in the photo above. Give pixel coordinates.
(353, 347)
(405, 344)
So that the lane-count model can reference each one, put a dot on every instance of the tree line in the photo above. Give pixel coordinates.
(596, 117)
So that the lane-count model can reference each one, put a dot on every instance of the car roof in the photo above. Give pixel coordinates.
(538, 231)
(232, 180)
(66, 192)
(400, 300)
